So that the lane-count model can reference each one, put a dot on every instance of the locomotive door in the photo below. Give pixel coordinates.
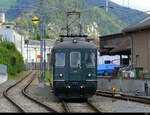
(75, 66)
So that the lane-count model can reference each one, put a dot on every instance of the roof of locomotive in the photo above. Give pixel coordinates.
(68, 43)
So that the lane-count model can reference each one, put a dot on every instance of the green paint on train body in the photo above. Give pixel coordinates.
(70, 72)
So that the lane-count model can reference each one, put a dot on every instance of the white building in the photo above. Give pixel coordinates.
(4, 24)
(2, 17)
(12, 36)
(34, 50)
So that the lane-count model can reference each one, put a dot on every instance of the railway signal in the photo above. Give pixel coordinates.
(35, 20)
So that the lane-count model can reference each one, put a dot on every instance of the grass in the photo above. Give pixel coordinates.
(48, 76)
(17, 76)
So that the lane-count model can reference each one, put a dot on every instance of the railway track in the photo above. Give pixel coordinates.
(22, 107)
(5, 93)
(121, 96)
(35, 100)
(66, 107)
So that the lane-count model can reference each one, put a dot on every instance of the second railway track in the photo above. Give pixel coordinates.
(17, 95)
(126, 97)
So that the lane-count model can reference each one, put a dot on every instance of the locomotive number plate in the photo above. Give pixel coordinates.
(75, 71)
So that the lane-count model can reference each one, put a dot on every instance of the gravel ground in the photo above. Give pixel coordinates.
(5, 105)
(76, 108)
(28, 105)
(104, 104)
(45, 94)
(112, 105)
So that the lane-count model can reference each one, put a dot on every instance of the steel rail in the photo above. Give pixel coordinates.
(33, 99)
(5, 93)
(65, 107)
(93, 107)
(124, 97)
(67, 110)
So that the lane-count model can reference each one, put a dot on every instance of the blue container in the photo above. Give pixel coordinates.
(102, 68)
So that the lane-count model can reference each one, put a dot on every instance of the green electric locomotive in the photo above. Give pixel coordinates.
(74, 67)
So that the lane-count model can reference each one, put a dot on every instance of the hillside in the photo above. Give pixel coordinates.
(97, 19)
(7, 3)
(123, 13)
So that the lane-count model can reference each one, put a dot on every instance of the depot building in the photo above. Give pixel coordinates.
(133, 41)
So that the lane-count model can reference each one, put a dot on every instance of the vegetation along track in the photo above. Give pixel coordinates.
(66, 107)
(17, 96)
(123, 96)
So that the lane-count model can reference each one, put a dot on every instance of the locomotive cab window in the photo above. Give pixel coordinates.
(90, 59)
(60, 59)
(75, 59)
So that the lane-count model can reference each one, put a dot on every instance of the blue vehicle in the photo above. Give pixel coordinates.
(105, 69)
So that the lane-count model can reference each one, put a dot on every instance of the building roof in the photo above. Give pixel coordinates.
(112, 36)
(10, 23)
(140, 25)
(123, 47)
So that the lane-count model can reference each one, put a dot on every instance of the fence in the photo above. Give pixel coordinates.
(3, 73)
(34, 66)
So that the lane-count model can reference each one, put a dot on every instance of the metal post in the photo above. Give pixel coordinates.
(123, 3)
(27, 56)
(106, 5)
(27, 42)
(41, 45)
(80, 28)
(44, 53)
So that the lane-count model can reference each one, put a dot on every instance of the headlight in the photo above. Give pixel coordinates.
(74, 41)
(89, 75)
(60, 75)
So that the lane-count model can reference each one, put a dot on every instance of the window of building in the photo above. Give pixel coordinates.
(137, 60)
(107, 61)
(60, 59)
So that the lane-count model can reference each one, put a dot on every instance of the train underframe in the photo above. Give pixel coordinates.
(75, 89)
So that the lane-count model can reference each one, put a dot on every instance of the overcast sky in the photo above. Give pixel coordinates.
(143, 5)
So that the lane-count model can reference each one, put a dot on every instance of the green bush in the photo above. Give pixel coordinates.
(11, 57)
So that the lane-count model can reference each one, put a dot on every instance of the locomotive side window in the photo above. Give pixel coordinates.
(75, 59)
(60, 59)
(90, 59)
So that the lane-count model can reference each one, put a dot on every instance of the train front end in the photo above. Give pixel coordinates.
(74, 71)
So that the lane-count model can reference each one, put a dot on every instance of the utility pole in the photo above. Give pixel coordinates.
(27, 42)
(123, 3)
(128, 3)
(106, 5)
(76, 5)
(44, 53)
(41, 45)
